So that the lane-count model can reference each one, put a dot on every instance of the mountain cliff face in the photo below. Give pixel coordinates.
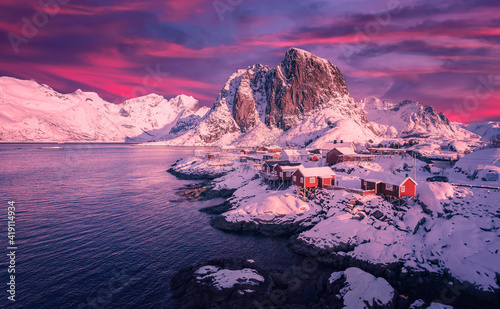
(30, 112)
(283, 98)
(410, 119)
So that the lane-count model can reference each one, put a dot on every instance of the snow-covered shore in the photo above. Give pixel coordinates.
(446, 234)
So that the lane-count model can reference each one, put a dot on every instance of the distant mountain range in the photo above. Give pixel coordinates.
(303, 100)
(30, 112)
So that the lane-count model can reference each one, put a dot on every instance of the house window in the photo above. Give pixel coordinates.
(311, 179)
(287, 174)
(301, 180)
(402, 189)
(388, 187)
(281, 174)
(294, 178)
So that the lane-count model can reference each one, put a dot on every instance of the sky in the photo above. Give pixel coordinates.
(441, 53)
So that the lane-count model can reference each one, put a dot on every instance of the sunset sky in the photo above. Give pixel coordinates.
(441, 53)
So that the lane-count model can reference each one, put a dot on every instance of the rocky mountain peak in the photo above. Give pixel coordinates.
(303, 82)
(279, 98)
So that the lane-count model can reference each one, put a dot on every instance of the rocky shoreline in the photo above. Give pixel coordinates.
(304, 287)
(441, 287)
(410, 285)
(261, 227)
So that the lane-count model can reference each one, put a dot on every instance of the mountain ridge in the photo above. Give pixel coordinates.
(304, 99)
(32, 112)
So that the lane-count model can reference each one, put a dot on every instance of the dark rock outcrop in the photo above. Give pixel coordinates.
(191, 292)
(203, 191)
(302, 83)
(265, 228)
(195, 175)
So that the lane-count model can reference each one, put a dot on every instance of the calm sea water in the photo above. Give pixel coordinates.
(96, 228)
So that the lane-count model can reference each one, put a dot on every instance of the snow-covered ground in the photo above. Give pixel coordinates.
(456, 229)
(473, 167)
(252, 203)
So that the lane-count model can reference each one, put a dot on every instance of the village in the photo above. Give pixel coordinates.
(307, 170)
(418, 208)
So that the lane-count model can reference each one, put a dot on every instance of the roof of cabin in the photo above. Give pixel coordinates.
(276, 162)
(387, 149)
(345, 150)
(324, 171)
(288, 168)
(391, 179)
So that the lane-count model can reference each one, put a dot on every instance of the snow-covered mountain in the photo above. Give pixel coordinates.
(303, 98)
(410, 119)
(30, 112)
(487, 130)
(302, 101)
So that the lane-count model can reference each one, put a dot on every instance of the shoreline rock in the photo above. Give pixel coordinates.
(203, 191)
(265, 228)
(434, 286)
(220, 283)
(196, 175)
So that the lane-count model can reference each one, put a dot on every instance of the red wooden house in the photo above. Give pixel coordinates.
(391, 186)
(313, 177)
(344, 154)
(266, 149)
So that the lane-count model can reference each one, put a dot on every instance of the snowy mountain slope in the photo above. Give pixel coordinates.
(30, 112)
(410, 119)
(301, 99)
(487, 130)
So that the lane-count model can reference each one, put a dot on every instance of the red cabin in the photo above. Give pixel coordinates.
(393, 187)
(337, 155)
(313, 177)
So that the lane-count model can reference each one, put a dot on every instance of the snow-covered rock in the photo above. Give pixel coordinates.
(227, 278)
(194, 167)
(464, 243)
(270, 213)
(362, 290)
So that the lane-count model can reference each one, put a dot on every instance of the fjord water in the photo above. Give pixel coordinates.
(96, 227)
